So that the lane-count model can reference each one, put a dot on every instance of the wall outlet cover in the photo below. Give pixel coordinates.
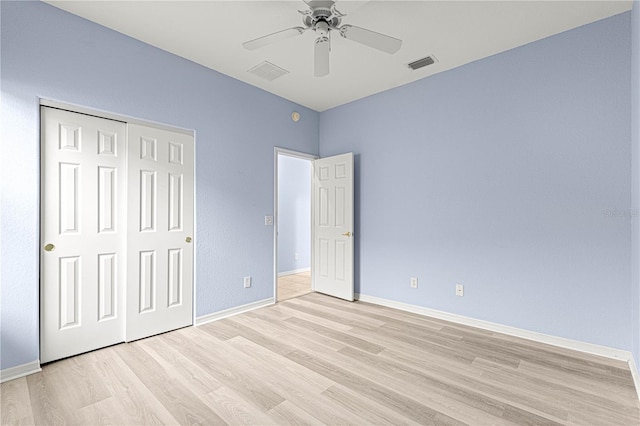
(459, 290)
(268, 221)
(247, 282)
(414, 282)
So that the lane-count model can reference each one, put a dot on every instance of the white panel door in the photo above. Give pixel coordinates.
(160, 221)
(332, 270)
(82, 233)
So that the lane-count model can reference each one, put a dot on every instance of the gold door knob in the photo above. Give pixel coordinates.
(347, 234)
(49, 247)
(188, 239)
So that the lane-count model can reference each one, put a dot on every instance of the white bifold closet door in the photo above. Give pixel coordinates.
(160, 251)
(83, 229)
(116, 212)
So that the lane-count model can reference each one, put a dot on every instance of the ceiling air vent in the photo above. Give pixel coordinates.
(268, 71)
(420, 63)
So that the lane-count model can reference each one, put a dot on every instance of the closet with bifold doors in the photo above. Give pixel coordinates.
(116, 230)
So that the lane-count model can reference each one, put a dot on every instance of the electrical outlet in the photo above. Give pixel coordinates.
(247, 282)
(268, 221)
(459, 290)
(296, 256)
(414, 282)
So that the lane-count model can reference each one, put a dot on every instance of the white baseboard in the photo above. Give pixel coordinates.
(295, 271)
(634, 374)
(233, 311)
(562, 342)
(19, 371)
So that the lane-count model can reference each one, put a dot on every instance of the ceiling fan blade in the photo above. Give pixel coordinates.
(321, 50)
(272, 38)
(371, 38)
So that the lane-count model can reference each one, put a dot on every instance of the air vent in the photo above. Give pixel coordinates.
(420, 63)
(268, 71)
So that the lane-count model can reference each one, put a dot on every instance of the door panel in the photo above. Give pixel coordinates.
(107, 286)
(160, 252)
(332, 270)
(81, 308)
(175, 202)
(175, 277)
(107, 203)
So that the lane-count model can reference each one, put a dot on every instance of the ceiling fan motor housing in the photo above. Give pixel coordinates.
(321, 15)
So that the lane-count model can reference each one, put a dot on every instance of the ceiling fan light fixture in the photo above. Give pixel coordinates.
(323, 17)
(423, 62)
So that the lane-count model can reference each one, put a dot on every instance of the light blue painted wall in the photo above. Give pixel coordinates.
(51, 54)
(506, 175)
(294, 213)
(635, 185)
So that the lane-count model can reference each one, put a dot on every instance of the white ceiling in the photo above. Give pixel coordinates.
(455, 32)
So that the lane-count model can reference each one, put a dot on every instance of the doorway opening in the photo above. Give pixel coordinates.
(293, 252)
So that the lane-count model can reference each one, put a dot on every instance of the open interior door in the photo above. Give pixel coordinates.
(332, 230)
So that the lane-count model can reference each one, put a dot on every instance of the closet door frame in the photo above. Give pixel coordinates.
(128, 120)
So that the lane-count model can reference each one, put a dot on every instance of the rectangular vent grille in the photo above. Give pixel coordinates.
(268, 71)
(420, 63)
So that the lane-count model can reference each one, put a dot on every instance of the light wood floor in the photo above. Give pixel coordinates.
(319, 360)
(295, 285)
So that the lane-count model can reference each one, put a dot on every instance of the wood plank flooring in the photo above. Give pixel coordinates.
(319, 360)
(294, 285)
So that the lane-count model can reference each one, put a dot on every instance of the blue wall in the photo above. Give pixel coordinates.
(294, 213)
(635, 185)
(511, 176)
(51, 54)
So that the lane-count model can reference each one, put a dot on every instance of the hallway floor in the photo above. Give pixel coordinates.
(295, 285)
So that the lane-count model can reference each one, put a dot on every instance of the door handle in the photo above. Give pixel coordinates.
(49, 247)
(188, 239)
(347, 234)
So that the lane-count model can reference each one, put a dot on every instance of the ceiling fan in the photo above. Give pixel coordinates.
(323, 17)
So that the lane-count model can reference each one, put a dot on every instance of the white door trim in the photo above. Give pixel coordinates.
(295, 154)
(112, 116)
